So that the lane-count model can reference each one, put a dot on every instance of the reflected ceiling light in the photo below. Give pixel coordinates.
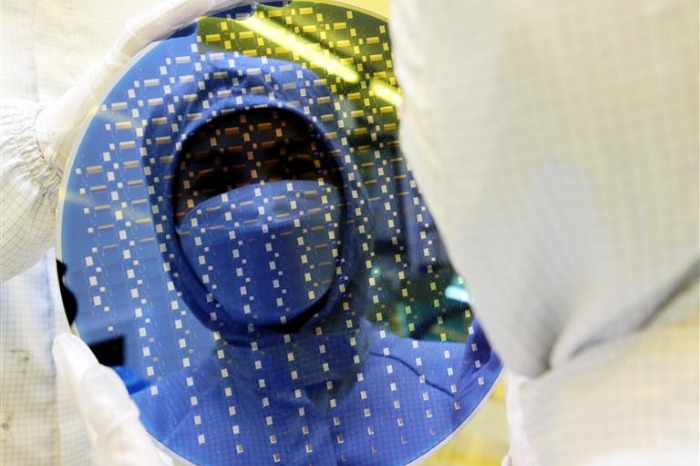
(385, 91)
(305, 48)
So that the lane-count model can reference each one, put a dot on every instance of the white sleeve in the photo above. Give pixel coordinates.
(556, 143)
(28, 190)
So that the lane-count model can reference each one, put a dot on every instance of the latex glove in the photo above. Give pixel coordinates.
(117, 438)
(58, 125)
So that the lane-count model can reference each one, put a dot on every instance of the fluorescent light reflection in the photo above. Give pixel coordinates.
(304, 48)
(385, 92)
(458, 293)
(322, 58)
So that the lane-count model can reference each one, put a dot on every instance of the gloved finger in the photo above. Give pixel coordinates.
(111, 417)
(105, 400)
(114, 417)
(73, 358)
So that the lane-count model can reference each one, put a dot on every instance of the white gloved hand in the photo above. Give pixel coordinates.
(36, 146)
(117, 438)
(58, 124)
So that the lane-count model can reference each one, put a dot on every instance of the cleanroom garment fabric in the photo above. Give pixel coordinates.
(556, 143)
(45, 46)
(216, 199)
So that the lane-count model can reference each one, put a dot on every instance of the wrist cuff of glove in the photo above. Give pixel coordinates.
(53, 157)
(20, 141)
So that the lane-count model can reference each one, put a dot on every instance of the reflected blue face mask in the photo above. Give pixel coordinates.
(265, 252)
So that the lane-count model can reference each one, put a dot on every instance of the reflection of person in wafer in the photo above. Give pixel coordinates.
(267, 235)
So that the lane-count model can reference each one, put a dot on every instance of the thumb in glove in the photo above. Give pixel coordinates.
(117, 437)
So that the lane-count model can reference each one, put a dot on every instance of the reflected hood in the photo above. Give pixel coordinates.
(235, 85)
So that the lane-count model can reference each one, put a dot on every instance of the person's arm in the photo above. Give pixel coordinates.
(29, 185)
(35, 143)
